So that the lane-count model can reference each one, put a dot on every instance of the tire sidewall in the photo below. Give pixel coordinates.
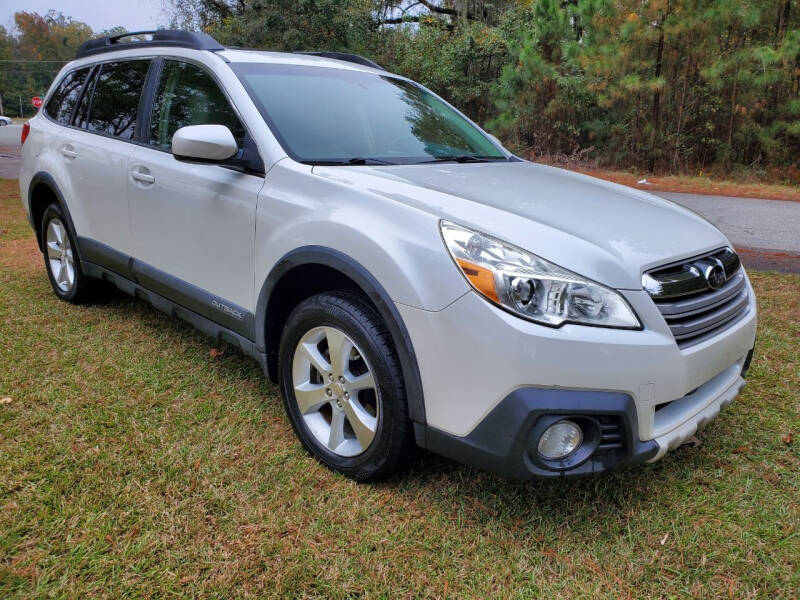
(318, 312)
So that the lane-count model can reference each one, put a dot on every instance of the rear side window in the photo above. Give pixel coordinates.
(115, 102)
(66, 96)
(82, 114)
(187, 95)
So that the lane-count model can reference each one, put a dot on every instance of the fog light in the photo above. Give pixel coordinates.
(560, 440)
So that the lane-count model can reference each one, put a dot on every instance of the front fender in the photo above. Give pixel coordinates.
(399, 245)
(320, 255)
(392, 251)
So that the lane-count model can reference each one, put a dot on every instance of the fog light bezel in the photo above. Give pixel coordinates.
(590, 429)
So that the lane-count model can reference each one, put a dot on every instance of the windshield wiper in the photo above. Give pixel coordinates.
(349, 162)
(464, 158)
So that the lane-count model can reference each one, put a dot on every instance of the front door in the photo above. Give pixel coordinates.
(193, 225)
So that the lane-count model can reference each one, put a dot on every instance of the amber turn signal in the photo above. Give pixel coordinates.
(481, 278)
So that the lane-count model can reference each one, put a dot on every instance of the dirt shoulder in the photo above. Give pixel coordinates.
(696, 185)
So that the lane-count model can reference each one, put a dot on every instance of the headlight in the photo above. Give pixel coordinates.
(532, 287)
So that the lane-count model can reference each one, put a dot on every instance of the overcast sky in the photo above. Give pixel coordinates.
(134, 15)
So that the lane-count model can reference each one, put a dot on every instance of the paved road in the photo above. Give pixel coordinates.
(9, 135)
(748, 222)
(766, 233)
(9, 151)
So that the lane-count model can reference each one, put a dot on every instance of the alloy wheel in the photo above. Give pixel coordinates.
(335, 391)
(60, 258)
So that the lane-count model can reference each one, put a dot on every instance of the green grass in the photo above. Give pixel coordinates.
(134, 464)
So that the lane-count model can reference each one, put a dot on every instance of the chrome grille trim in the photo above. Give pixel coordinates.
(694, 303)
(687, 277)
(690, 306)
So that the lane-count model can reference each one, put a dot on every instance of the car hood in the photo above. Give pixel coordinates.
(601, 230)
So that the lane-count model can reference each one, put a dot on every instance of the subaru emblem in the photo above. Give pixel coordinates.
(715, 276)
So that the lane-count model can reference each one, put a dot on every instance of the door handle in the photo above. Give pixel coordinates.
(67, 151)
(142, 175)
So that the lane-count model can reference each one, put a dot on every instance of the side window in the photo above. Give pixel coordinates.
(187, 95)
(64, 99)
(115, 102)
(82, 114)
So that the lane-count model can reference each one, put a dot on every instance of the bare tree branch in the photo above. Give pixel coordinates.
(431, 6)
(438, 9)
(398, 20)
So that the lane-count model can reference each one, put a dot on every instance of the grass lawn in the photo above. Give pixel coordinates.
(136, 463)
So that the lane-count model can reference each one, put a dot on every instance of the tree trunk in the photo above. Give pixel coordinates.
(680, 115)
(733, 108)
(657, 94)
(784, 12)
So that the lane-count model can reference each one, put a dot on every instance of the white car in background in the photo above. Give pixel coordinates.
(5, 121)
(404, 278)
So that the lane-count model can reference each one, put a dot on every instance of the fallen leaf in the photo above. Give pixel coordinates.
(695, 443)
(787, 439)
(5, 400)
(215, 353)
(742, 450)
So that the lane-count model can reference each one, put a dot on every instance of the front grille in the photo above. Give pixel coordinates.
(699, 297)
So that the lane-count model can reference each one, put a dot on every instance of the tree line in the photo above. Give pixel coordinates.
(33, 53)
(666, 85)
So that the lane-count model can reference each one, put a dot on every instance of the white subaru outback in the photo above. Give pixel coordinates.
(405, 279)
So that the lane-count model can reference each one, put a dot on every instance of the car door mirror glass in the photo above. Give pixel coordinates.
(204, 143)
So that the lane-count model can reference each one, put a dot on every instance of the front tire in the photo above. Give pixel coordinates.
(61, 261)
(343, 388)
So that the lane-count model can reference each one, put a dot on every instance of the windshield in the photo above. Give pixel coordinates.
(336, 116)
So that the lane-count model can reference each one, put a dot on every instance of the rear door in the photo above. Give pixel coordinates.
(58, 151)
(193, 224)
(100, 143)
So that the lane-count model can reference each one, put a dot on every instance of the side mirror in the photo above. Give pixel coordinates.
(204, 143)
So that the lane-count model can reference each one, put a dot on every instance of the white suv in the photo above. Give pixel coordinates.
(403, 277)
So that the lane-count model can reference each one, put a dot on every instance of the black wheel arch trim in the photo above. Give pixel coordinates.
(349, 267)
(46, 179)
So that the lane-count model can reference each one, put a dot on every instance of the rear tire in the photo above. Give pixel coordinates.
(61, 262)
(343, 387)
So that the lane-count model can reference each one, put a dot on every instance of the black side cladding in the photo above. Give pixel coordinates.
(199, 301)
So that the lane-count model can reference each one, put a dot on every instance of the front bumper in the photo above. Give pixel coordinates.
(488, 376)
(505, 442)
